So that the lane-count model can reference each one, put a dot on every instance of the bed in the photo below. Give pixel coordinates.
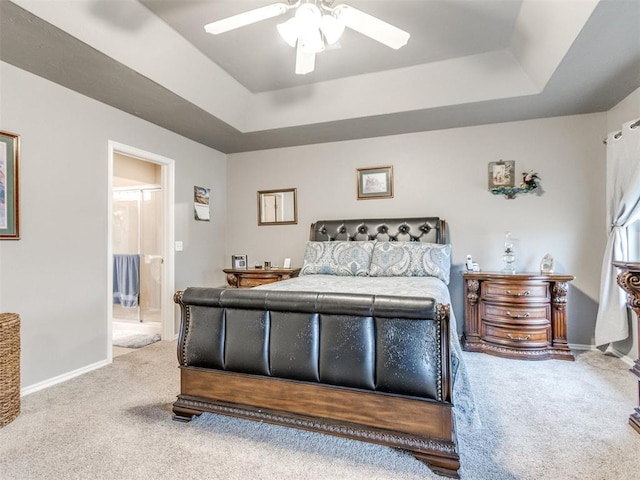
(362, 345)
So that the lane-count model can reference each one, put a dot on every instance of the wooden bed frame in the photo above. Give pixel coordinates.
(423, 427)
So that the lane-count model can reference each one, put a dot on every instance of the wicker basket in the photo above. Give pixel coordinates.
(9, 367)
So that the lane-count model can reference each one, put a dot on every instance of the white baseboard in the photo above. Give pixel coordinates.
(625, 358)
(579, 346)
(61, 378)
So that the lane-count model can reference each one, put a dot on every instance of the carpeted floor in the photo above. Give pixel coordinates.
(541, 420)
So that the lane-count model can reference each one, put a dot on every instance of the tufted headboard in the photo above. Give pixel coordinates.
(418, 229)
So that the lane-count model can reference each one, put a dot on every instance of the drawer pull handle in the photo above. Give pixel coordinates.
(526, 293)
(519, 339)
(517, 315)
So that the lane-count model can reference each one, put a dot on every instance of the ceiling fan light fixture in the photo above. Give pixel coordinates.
(331, 28)
(316, 25)
(308, 14)
(289, 31)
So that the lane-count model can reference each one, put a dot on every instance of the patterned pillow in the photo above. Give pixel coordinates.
(337, 258)
(411, 259)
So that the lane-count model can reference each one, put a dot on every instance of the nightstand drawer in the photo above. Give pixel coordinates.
(521, 337)
(517, 314)
(516, 292)
(247, 282)
(254, 277)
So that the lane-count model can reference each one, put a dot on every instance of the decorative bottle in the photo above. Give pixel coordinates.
(509, 256)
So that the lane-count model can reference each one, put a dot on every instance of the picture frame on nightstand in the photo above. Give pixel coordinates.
(239, 262)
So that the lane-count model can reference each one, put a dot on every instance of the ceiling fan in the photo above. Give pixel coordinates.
(315, 25)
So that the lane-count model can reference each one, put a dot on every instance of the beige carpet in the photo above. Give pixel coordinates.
(541, 420)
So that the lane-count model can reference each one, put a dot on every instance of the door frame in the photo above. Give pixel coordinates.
(167, 168)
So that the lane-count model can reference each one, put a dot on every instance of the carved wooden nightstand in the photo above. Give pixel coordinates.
(252, 277)
(521, 316)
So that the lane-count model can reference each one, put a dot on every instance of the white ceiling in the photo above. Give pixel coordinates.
(468, 62)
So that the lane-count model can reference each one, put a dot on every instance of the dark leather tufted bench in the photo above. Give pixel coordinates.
(374, 368)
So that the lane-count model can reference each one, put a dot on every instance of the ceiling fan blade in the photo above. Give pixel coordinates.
(305, 61)
(372, 27)
(246, 18)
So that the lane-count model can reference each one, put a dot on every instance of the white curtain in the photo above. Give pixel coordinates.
(623, 209)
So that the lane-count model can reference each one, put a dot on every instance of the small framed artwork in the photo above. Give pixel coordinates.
(201, 203)
(9, 211)
(501, 173)
(375, 182)
(239, 262)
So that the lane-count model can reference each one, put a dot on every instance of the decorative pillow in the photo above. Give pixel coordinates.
(411, 259)
(337, 258)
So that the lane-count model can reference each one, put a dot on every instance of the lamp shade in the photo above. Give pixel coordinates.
(332, 28)
(290, 31)
(308, 15)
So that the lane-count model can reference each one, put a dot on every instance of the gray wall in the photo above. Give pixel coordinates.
(55, 277)
(444, 173)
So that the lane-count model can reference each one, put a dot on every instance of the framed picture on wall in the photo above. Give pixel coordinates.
(201, 203)
(239, 262)
(375, 182)
(501, 174)
(9, 190)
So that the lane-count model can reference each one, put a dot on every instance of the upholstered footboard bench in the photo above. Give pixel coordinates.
(372, 368)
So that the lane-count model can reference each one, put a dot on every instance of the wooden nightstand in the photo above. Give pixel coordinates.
(520, 316)
(252, 277)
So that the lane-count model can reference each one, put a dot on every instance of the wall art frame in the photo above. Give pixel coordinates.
(375, 182)
(201, 210)
(502, 174)
(278, 207)
(9, 186)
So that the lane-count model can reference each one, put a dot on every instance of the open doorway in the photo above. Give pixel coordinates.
(140, 256)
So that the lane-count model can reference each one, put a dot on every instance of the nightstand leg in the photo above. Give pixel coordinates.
(471, 340)
(559, 316)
